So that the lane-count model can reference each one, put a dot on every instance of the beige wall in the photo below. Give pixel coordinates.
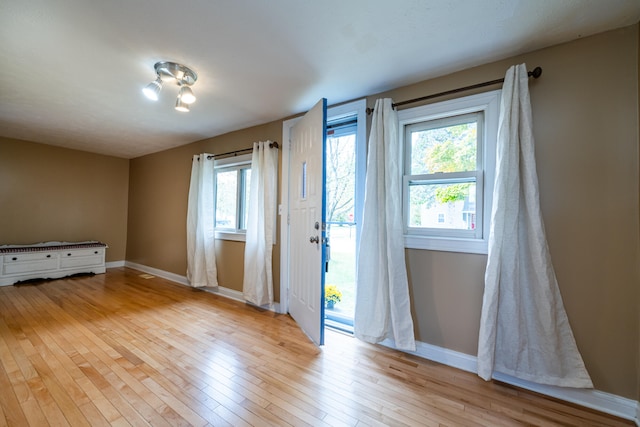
(585, 110)
(49, 193)
(638, 363)
(158, 189)
(158, 196)
(585, 113)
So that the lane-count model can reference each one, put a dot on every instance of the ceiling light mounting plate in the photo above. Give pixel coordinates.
(172, 70)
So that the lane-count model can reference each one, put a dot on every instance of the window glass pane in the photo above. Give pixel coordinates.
(226, 192)
(340, 161)
(449, 206)
(451, 148)
(246, 179)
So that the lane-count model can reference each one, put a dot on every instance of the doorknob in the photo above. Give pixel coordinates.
(314, 239)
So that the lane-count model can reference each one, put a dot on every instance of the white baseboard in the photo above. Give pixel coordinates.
(442, 355)
(157, 272)
(220, 290)
(114, 264)
(227, 293)
(594, 399)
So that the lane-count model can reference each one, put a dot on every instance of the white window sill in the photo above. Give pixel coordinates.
(230, 235)
(470, 246)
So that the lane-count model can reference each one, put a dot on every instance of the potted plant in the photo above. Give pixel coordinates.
(332, 295)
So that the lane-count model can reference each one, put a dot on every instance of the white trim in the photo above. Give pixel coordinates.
(236, 236)
(227, 293)
(283, 211)
(451, 244)
(115, 264)
(160, 273)
(220, 290)
(594, 399)
(240, 159)
(359, 109)
(489, 103)
(238, 296)
(442, 355)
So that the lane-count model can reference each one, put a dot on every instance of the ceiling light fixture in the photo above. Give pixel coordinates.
(183, 76)
(182, 106)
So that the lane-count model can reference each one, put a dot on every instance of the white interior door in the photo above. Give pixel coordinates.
(306, 222)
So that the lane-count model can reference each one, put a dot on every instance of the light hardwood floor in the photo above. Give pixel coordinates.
(118, 349)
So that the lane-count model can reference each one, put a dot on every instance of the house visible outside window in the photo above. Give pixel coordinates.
(449, 162)
(232, 182)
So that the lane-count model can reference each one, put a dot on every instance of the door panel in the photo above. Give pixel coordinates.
(306, 222)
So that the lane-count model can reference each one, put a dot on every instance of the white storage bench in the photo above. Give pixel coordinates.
(50, 260)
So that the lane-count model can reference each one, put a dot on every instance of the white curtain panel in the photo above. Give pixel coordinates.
(201, 251)
(524, 330)
(383, 309)
(257, 285)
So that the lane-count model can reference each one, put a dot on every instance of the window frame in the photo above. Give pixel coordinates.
(237, 163)
(488, 104)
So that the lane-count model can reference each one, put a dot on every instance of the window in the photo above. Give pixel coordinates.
(449, 161)
(443, 172)
(232, 179)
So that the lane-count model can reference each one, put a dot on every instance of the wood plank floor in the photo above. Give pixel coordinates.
(119, 349)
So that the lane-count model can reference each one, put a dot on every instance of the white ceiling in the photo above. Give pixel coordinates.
(72, 71)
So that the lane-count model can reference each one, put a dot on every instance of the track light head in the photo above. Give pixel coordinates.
(186, 95)
(152, 90)
(182, 106)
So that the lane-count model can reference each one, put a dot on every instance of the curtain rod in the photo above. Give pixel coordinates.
(537, 72)
(273, 144)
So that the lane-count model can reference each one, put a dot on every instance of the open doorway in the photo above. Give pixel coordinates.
(341, 225)
(345, 163)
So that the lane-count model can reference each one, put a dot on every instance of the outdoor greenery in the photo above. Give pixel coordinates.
(452, 193)
(445, 149)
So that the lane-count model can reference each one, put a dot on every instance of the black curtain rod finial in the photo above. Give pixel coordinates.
(537, 72)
